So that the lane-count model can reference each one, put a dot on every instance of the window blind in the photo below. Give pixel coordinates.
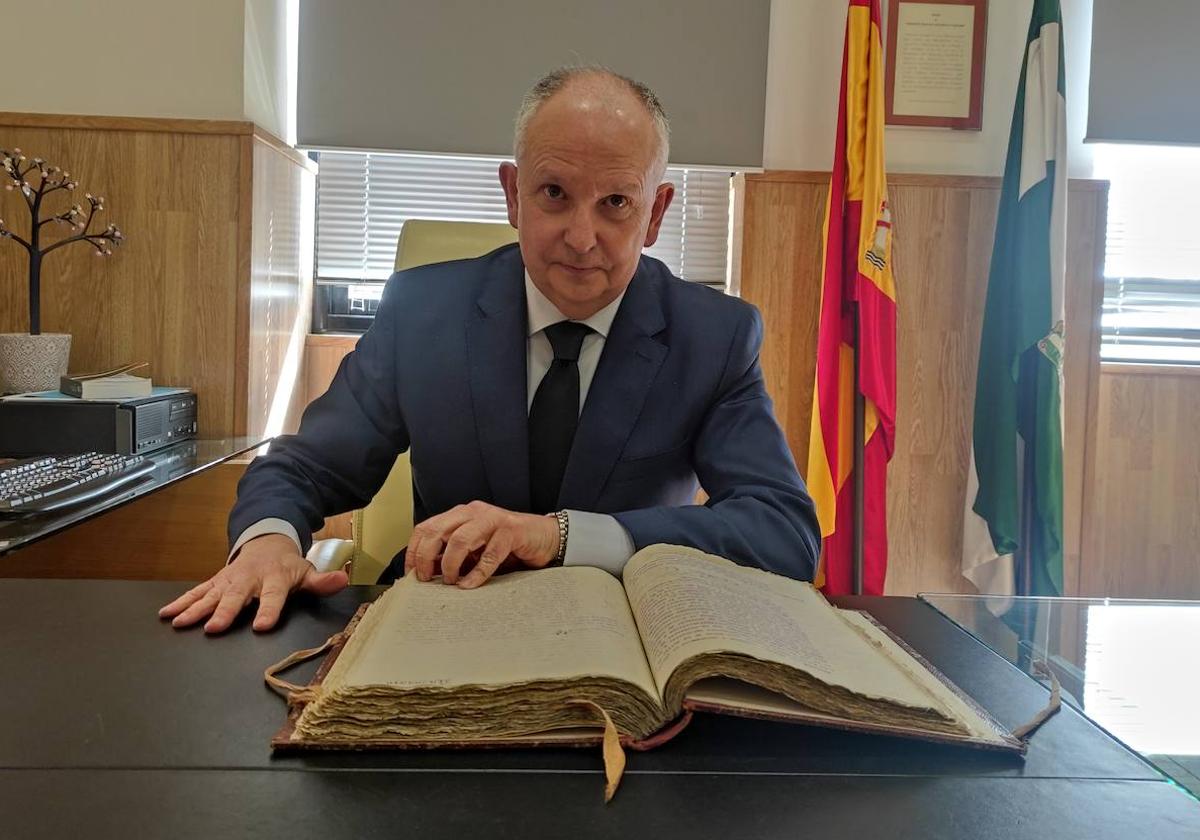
(1143, 70)
(446, 76)
(1152, 257)
(694, 237)
(363, 199)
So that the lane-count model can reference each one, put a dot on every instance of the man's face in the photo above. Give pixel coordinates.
(584, 196)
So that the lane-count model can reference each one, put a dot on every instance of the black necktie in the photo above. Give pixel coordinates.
(554, 415)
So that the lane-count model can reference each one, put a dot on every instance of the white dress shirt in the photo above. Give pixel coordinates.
(594, 539)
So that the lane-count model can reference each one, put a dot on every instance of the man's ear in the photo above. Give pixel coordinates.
(508, 180)
(662, 200)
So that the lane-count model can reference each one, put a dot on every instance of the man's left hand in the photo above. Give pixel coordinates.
(493, 533)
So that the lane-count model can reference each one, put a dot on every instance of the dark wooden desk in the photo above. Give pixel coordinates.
(114, 725)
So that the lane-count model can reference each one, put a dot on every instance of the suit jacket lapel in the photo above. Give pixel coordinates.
(496, 362)
(628, 365)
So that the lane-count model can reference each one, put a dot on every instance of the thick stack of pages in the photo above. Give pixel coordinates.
(118, 383)
(521, 660)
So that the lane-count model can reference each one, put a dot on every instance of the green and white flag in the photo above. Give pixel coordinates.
(1014, 503)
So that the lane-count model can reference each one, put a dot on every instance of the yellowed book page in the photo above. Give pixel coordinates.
(688, 603)
(569, 737)
(940, 695)
(549, 624)
(723, 691)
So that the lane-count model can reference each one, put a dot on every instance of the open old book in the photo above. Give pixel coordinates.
(531, 657)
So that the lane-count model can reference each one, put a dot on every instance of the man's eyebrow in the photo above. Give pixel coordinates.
(621, 186)
(553, 175)
(628, 188)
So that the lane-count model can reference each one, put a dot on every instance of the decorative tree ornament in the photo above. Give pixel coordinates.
(50, 179)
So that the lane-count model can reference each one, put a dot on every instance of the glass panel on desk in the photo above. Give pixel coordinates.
(1129, 665)
(172, 463)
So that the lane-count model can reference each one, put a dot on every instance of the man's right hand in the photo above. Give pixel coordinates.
(268, 568)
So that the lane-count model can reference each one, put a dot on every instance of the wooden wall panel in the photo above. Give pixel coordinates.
(280, 297)
(937, 344)
(168, 295)
(177, 533)
(1143, 520)
(1087, 220)
(944, 231)
(208, 287)
(323, 354)
(780, 220)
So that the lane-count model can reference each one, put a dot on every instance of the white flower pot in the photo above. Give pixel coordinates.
(32, 362)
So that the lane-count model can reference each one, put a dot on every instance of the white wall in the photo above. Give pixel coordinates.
(141, 58)
(804, 69)
(265, 65)
(215, 59)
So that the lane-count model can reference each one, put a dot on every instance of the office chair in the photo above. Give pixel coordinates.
(383, 527)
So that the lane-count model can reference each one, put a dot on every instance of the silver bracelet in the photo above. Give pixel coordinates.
(564, 522)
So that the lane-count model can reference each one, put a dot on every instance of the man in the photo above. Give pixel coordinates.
(559, 401)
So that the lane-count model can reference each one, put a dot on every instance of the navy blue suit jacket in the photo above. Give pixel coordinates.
(677, 399)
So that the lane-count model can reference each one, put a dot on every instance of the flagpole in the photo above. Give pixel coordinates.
(859, 463)
(1024, 552)
(1024, 584)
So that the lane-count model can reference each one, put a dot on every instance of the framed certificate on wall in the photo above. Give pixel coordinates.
(935, 59)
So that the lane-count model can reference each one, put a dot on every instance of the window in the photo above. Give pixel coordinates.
(1152, 259)
(364, 198)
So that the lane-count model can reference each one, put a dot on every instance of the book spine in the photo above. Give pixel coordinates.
(70, 387)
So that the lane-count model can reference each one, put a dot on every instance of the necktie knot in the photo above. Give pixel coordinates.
(566, 337)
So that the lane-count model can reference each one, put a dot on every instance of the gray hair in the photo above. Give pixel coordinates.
(556, 80)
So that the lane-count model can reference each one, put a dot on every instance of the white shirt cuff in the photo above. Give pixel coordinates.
(597, 539)
(260, 529)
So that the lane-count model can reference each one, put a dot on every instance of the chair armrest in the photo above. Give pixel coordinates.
(330, 555)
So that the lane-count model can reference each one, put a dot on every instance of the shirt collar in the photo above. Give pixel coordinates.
(542, 313)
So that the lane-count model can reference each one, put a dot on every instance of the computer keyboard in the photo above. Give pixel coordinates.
(33, 485)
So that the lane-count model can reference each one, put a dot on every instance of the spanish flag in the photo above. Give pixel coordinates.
(857, 272)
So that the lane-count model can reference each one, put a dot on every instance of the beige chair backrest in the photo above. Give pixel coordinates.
(383, 527)
(423, 242)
